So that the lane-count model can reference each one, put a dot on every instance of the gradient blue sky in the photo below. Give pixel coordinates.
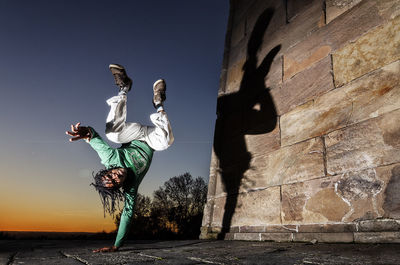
(54, 72)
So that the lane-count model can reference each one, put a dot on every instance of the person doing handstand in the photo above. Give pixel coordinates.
(127, 165)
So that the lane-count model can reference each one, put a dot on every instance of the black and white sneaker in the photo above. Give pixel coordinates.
(159, 89)
(121, 78)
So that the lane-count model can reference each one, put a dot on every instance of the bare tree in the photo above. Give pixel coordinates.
(175, 211)
(199, 195)
(184, 199)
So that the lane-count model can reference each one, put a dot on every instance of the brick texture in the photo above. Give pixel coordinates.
(307, 142)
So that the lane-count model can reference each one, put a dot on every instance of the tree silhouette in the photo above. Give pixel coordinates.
(175, 212)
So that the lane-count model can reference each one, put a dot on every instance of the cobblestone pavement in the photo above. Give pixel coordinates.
(62, 252)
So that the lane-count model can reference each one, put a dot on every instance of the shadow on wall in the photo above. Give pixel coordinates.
(392, 195)
(249, 111)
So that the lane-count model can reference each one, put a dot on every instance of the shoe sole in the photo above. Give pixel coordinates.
(120, 67)
(116, 66)
(158, 94)
(157, 82)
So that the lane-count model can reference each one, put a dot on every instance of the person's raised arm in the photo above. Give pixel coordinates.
(79, 132)
(107, 154)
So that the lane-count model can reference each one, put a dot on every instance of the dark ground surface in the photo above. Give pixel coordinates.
(195, 252)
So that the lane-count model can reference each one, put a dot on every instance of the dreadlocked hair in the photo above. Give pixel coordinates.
(110, 197)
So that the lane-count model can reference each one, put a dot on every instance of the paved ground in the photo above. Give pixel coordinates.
(62, 252)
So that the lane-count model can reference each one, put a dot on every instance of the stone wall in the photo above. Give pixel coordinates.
(307, 137)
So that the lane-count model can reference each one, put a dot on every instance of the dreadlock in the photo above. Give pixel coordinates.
(110, 197)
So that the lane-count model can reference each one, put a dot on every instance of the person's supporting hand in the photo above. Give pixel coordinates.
(106, 249)
(79, 132)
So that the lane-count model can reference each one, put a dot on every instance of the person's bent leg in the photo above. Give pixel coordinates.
(117, 129)
(159, 137)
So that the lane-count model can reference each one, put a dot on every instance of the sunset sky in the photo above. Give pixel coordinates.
(54, 72)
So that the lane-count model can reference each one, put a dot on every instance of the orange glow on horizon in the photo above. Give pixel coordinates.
(41, 208)
(92, 225)
(51, 217)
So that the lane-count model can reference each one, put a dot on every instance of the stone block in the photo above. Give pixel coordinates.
(276, 237)
(292, 66)
(294, 7)
(369, 144)
(252, 229)
(331, 37)
(234, 77)
(212, 180)
(247, 236)
(238, 53)
(218, 211)
(291, 164)
(373, 50)
(304, 86)
(280, 228)
(229, 179)
(376, 93)
(335, 8)
(313, 201)
(268, 229)
(377, 237)
(361, 195)
(220, 189)
(360, 189)
(327, 228)
(369, 96)
(214, 160)
(253, 208)
(229, 236)
(234, 229)
(379, 225)
(324, 237)
(315, 118)
(258, 208)
(327, 203)
(286, 165)
(274, 77)
(222, 82)
(208, 212)
(263, 144)
(388, 9)
(371, 194)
